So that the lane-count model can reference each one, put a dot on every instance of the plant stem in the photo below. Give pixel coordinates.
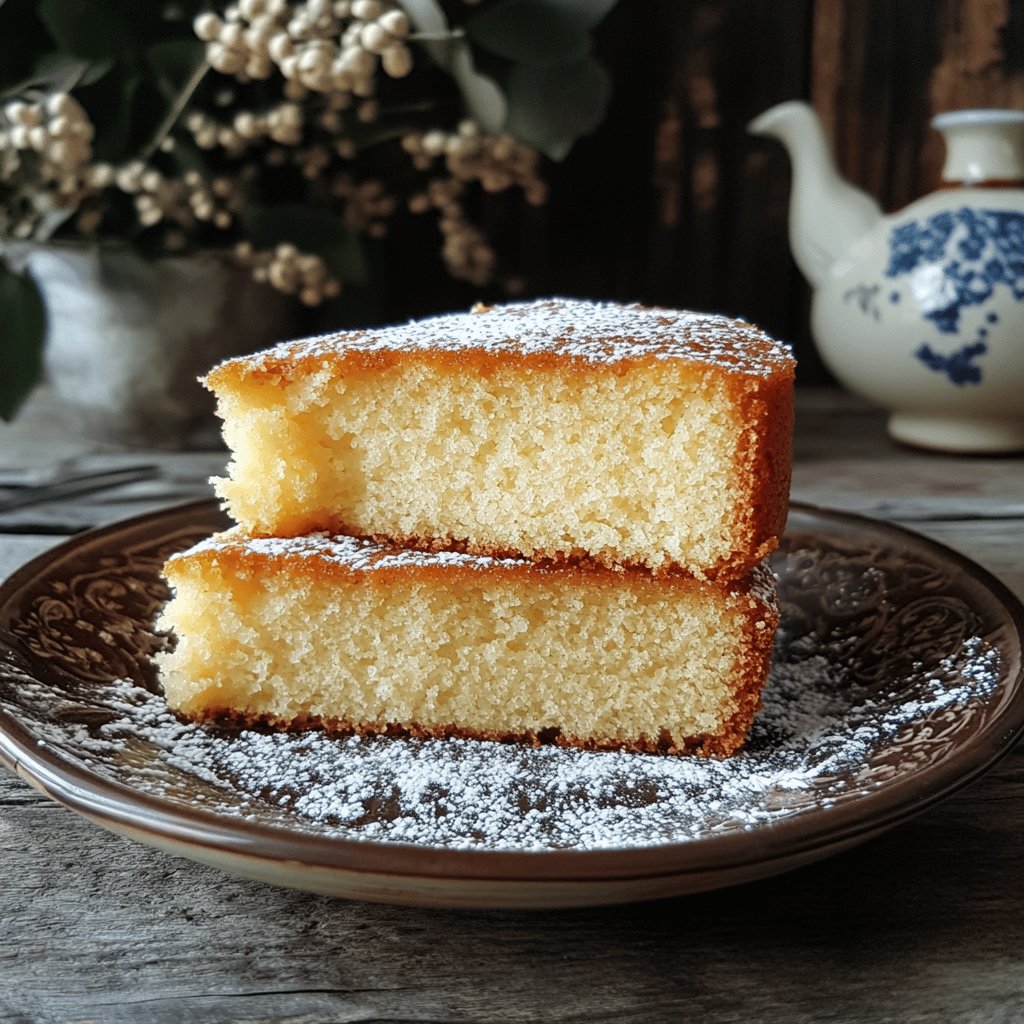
(179, 104)
(433, 37)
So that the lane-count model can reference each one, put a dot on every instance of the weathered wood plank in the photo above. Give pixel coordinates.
(925, 924)
(17, 549)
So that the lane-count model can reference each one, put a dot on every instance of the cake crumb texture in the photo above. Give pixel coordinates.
(558, 429)
(353, 636)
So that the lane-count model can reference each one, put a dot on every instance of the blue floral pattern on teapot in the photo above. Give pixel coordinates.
(956, 259)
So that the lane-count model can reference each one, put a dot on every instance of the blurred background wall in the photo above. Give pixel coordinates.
(671, 202)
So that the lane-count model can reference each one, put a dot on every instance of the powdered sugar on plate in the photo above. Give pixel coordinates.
(896, 661)
(822, 737)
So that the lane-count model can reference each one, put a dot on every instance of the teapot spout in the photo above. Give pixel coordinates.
(827, 214)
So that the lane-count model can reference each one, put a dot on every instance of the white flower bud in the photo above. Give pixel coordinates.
(224, 59)
(60, 104)
(150, 216)
(289, 114)
(101, 175)
(357, 61)
(259, 67)
(38, 138)
(19, 137)
(313, 61)
(127, 180)
(396, 23)
(363, 86)
(232, 36)
(207, 26)
(367, 10)
(397, 60)
(14, 111)
(60, 153)
(281, 276)
(252, 9)
(374, 38)
(280, 46)
(245, 124)
(433, 143)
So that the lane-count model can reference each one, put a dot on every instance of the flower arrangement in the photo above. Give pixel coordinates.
(283, 135)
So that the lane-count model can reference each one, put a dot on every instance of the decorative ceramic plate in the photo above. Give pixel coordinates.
(897, 679)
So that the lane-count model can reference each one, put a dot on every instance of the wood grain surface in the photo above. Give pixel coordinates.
(924, 924)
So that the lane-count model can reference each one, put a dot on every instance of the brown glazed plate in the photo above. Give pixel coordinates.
(897, 679)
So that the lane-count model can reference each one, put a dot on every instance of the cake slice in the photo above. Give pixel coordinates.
(354, 636)
(556, 429)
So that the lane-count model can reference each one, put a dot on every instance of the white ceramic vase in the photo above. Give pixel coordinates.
(128, 337)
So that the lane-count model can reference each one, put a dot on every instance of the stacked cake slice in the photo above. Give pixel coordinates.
(542, 521)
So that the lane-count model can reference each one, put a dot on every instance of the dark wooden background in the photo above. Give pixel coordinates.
(671, 202)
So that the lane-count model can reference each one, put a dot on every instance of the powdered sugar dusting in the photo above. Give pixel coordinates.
(568, 328)
(821, 738)
(356, 554)
(361, 554)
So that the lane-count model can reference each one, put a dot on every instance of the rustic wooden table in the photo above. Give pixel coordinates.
(925, 924)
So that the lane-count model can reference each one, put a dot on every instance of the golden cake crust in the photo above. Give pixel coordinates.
(325, 556)
(540, 334)
(728, 741)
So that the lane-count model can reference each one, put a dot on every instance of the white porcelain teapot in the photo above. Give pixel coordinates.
(920, 311)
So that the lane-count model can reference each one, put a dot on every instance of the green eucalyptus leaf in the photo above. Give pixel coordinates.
(173, 64)
(94, 30)
(484, 100)
(551, 107)
(310, 230)
(531, 32)
(57, 72)
(22, 332)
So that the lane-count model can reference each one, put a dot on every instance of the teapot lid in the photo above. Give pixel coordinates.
(982, 145)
